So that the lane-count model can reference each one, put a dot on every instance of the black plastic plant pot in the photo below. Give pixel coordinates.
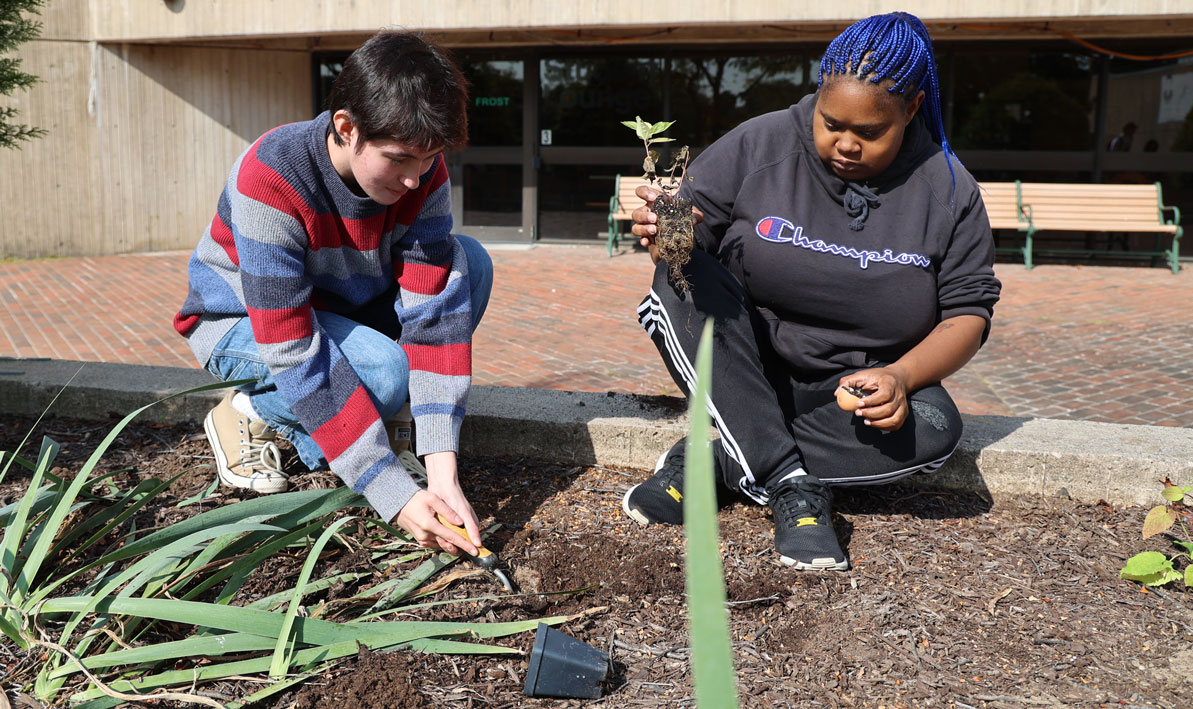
(562, 666)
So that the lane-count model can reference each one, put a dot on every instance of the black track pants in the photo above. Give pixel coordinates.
(772, 423)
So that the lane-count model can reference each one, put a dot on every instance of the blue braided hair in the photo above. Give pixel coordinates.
(894, 47)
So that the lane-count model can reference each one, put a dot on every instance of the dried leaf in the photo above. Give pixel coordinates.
(1158, 520)
(993, 601)
(448, 579)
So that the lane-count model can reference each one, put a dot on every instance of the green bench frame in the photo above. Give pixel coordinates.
(1045, 206)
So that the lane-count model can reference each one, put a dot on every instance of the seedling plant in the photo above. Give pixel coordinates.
(1153, 568)
(674, 238)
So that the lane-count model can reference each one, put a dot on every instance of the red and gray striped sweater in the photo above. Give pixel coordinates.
(290, 237)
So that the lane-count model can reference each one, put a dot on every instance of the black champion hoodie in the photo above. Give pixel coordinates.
(843, 288)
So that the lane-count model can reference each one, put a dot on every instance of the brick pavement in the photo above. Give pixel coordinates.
(1097, 343)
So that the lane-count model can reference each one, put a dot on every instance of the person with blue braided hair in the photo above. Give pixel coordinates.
(841, 245)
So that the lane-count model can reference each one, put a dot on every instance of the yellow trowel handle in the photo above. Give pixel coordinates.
(483, 558)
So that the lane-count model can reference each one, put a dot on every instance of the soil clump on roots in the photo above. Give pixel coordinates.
(954, 598)
(674, 237)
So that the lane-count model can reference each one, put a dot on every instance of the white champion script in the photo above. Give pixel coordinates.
(782, 231)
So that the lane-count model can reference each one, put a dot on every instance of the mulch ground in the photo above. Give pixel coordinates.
(953, 600)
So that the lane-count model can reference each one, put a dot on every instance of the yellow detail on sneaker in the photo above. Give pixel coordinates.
(676, 494)
(806, 522)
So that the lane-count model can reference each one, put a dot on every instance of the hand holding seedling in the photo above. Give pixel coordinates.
(884, 403)
(670, 215)
(645, 219)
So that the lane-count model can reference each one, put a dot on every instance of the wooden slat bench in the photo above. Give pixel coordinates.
(1045, 206)
(621, 205)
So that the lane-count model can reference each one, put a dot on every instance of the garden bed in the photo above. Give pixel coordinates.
(953, 600)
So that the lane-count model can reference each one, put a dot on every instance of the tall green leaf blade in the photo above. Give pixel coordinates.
(167, 555)
(13, 583)
(318, 654)
(290, 509)
(40, 501)
(13, 457)
(194, 646)
(237, 573)
(127, 506)
(311, 630)
(33, 565)
(712, 657)
(281, 657)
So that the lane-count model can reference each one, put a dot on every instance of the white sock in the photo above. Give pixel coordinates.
(793, 474)
(242, 403)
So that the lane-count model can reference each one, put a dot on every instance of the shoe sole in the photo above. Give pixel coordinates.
(826, 564)
(632, 513)
(230, 478)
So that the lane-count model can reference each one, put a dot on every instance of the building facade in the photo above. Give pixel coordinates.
(148, 102)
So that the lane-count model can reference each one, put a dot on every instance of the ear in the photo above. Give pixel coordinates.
(345, 127)
(914, 105)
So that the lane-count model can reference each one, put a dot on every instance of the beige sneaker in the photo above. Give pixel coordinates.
(399, 430)
(245, 453)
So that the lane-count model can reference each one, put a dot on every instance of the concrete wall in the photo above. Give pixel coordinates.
(164, 19)
(140, 141)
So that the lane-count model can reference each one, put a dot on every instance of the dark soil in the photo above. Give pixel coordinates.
(675, 238)
(954, 599)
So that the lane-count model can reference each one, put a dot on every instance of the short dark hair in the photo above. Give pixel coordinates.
(402, 86)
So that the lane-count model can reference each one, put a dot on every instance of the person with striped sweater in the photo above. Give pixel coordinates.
(330, 277)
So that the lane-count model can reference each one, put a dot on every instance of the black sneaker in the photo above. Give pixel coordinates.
(804, 535)
(659, 500)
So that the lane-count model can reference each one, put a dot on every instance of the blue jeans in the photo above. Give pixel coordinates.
(367, 339)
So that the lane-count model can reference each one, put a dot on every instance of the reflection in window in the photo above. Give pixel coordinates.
(494, 102)
(1024, 101)
(711, 95)
(585, 98)
(1156, 98)
(329, 69)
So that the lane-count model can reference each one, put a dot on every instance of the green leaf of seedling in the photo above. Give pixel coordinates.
(632, 125)
(1150, 568)
(1159, 519)
(1189, 575)
(1184, 545)
(1173, 493)
(660, 140)
(660, 127)
(642, 128)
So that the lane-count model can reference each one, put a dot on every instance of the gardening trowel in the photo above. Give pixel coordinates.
(484, 558)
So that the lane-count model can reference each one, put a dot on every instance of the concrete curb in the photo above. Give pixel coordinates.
(998, 455)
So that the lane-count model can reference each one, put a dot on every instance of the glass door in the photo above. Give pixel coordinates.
(488, 177)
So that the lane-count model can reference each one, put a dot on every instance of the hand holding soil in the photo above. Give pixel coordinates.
(645, 220)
